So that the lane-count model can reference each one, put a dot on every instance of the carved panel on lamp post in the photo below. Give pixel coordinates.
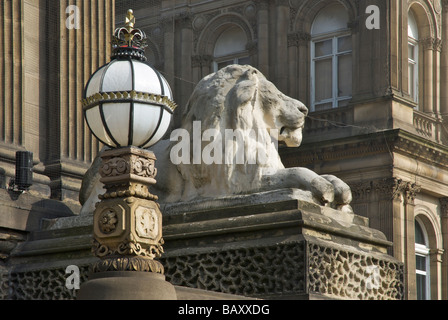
(127, 221)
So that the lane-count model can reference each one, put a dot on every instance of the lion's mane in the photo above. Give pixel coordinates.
(232, 98)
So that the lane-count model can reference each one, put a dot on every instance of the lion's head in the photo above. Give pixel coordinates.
(234, 91)
(240, 99)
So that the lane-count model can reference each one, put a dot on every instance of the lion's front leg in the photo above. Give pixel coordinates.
(322, 190)
(342, 193)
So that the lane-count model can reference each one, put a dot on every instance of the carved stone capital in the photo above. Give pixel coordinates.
(262, 4)
(201, 60)
(444, 207)
(185, 20)
(410, 192)
(434, 44)
(391, 188)
(298, 39)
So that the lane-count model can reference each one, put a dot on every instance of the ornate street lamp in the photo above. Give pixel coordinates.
(128, 106)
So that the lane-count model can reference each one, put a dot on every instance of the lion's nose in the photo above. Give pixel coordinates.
(303, 108)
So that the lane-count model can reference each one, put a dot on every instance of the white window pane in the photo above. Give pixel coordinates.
(412, 26)
(345, 44)
(323, 80)
(411, 52)
(164, 125)
(94, 83)
(411, 77)
(323, 48)
(421, 287)
(420, 263)
(225, 64)
(93, 118)
(116, 116)
(146, 118)
(333, 17)
(345, 76)
(118, 77)
(244, 60)
(146, 79)
(230, 41)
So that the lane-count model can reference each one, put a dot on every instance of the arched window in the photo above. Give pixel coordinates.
(230, 48)
(331, 52)
(422, 262)
(413, 56)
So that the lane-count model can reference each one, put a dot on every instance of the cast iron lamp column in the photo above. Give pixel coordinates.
(128, 106)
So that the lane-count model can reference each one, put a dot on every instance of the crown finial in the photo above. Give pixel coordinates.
(129, 41)
(130, 20)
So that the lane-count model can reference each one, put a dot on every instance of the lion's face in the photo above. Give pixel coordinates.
(282, 113)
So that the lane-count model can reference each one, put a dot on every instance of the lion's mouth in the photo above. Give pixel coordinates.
(282, 130)
(290, 137)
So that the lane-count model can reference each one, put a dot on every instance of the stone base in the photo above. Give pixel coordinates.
(277, 246)
(127, 286)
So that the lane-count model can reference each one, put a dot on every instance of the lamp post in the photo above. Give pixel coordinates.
(128, 106)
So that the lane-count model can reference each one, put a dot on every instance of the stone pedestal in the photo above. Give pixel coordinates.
(127, 231)
(274, 245)
(128, 285)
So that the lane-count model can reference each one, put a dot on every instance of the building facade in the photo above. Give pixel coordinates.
(49, 50)
(373, 74)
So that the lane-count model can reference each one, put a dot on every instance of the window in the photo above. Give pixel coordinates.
(331, 52)
(422, 262)
(413, 56)
(230, 48)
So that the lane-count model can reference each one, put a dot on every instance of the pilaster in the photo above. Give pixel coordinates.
(12, 72)
(75, 53)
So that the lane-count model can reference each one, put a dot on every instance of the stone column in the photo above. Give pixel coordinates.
(127, 231)
(74, 53)
(281, 45)
(12, 72)
(428, 75)
(436, 263)
(410, 191)
(298, 57)
(444, 60)
(444, 227)
(437, 48)
(263, 36)
(403, 196)
(185, 84)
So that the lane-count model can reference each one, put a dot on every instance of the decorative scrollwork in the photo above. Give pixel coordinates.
(144, 167)
(114, 167)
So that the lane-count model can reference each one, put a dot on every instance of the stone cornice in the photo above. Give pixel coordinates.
(397, 140)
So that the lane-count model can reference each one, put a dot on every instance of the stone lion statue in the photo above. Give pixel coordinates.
(209, 162)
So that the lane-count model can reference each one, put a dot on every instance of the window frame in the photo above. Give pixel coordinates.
(234, 58)
(334, 36)
(414, 64)
(414, 82)
(423, 250)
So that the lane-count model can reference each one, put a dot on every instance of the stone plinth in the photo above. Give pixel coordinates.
(270, 245)
(274, 245)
